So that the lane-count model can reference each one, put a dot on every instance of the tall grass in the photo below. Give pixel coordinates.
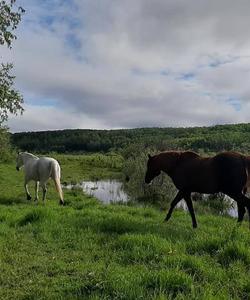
(87, 250)
(76, 168)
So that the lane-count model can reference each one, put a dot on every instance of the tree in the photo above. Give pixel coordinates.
(10, 100)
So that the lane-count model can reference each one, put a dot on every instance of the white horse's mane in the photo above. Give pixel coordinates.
(27, 154)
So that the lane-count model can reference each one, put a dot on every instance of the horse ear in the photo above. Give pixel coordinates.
(149, 156)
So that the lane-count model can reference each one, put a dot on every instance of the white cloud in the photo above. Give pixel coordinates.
(46, 118)
(123, 63)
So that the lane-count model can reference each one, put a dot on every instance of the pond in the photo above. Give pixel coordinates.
(110, 191)
(231, 209)
(106, 191)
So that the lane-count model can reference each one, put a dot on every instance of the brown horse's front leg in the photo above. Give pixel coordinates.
(176, 200)
(241, 211)
(189, 202)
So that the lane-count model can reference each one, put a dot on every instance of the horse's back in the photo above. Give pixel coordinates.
(47, 160)
(188, 155)
(231, 170)
(195, 173)
(46, 166)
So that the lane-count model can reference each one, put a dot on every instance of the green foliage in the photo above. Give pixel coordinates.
(9, 19)
(6, 151)
(76, 168)
(200, 139)
(10, 99)
(162, 190)
(214, 203)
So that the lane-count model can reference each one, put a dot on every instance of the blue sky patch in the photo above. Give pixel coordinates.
(72, 41)
(235, 103)
(217, 62)
(41, 102)
(187, 76)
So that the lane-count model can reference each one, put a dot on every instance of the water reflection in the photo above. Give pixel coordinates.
(105, 190)
(109, 191)
(230, 207)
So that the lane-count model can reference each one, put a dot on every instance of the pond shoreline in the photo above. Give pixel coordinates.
(107, 191)
(112, 191)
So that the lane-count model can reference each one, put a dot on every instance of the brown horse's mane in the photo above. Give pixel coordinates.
(187, 153)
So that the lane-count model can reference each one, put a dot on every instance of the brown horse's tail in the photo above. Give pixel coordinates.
(247, 168)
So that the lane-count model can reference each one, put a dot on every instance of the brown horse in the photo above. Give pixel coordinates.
(226, 172)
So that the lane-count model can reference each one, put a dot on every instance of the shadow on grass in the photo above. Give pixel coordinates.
(13, 200)
(33, 216)
(101, 220)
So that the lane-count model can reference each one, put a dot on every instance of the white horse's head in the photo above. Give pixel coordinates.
(19, 161)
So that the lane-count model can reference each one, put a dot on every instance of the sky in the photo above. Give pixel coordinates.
(107, 64)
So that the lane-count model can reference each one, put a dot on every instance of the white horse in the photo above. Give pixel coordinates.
(39, 170)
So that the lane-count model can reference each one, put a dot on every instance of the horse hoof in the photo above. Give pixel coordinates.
(29, 197)
(61, 203)
(167, 218)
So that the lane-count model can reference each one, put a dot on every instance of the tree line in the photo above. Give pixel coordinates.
(202, 139)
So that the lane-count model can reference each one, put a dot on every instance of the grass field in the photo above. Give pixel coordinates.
(87, 250)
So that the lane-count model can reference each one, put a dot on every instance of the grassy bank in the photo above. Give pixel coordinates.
(87, 250)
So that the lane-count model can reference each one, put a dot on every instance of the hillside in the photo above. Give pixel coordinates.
(208, 139)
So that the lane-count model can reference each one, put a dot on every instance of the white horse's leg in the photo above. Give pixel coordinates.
(36, 190)
(26, 190)
(44, 188)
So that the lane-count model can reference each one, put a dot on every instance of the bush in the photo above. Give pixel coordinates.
(6, 151)
(160, 192)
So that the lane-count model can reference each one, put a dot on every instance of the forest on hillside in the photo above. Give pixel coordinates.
(203, 139)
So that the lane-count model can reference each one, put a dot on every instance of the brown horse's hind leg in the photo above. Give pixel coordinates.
(241, 211)
(176, 200)
(189, 202)
(246, 204)
(243, 202)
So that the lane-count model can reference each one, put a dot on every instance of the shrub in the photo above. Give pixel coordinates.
(6, 152)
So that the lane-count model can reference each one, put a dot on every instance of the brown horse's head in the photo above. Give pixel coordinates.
(153, 169)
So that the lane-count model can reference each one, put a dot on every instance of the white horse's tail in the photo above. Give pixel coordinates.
(56, 176)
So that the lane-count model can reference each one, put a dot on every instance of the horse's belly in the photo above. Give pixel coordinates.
(31, 172)
(200, 183)
(211, 189)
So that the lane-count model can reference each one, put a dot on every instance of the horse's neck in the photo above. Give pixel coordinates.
(167, 161)
(28, 157)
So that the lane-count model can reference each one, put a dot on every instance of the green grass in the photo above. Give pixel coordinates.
(87, 250)
(89, 167)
